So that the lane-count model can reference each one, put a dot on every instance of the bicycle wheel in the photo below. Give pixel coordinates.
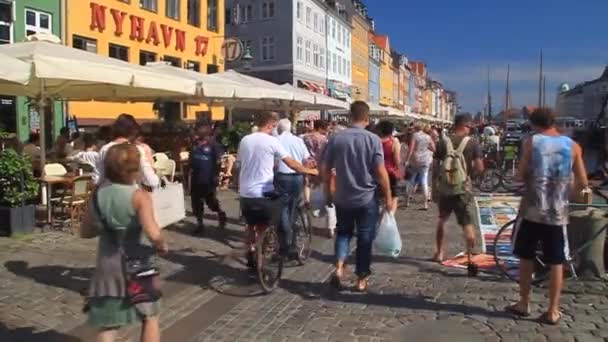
(269, 260)
(303, 234)
(507, 263)
(489, 180)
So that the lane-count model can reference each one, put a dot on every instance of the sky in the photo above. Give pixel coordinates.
(458, 39)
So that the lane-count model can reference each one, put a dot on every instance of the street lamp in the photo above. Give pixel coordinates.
(247, 58)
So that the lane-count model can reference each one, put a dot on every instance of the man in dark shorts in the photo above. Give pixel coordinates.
(204, 163)
(461, 205)
(549, 160)
(257, 154)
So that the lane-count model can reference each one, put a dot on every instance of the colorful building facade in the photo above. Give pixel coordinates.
(19, 19)
(386, 70)
(360, 57)
(375, 60)
(186, 34)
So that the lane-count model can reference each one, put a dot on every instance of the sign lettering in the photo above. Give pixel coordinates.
(150, 32)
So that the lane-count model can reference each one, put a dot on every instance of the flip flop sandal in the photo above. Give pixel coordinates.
(512, 309)
(362, 289)
(545, 319)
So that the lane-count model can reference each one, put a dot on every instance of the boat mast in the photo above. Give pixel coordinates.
(507, 95)
(540, 81)
(489, 98)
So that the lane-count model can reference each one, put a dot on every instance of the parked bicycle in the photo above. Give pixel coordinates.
(508, 264)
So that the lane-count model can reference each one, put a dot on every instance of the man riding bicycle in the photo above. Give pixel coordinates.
(257, 153)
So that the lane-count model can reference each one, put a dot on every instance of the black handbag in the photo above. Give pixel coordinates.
(141, 275)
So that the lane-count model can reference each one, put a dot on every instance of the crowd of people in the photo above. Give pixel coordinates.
(359, 167)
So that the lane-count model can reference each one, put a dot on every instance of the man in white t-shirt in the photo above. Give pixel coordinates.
(257, 153)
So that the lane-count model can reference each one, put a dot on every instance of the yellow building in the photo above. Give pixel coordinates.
(186, 33)
(360, 57)
(386, 71)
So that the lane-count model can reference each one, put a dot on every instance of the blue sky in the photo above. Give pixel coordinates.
(459, 38)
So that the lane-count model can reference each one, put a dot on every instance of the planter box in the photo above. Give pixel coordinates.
(17, 220)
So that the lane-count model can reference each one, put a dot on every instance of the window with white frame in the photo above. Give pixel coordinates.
(340, 65)
(308, 17)
(248, 13)
(268, 9)
(268, 47)
(322, 59)
(322, 25)
(316, 21)
(334, 63)
(6, 23)
(150, 5)
(349, 69)
(299, 13)
(334, 25)
(308, 52)
(300, 49)
(37, 22)
(315, 54)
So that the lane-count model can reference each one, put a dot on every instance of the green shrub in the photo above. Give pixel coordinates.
(17, 183)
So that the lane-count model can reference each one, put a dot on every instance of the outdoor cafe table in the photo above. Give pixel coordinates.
(50, 181)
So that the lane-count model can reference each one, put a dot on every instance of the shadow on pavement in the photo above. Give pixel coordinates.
(415, 302)
(29, 335)
(224, 274)
(224, 236)
(69, 278)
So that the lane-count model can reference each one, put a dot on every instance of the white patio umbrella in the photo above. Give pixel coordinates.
(58, 72)
(13, 70)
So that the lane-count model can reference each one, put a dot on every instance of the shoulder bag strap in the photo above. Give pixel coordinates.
(449, 147)
(463, 144)
(102, 219)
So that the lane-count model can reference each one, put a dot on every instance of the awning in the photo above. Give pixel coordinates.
(312, 86)
(340, 94)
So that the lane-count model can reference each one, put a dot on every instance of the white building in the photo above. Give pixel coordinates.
(339, 66)
(310, 45)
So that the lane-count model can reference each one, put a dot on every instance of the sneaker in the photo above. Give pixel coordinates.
(222, 220)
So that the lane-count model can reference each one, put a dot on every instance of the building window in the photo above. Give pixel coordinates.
(349, 69)
(146, 57)
(340, 65)
(268, 48)
(322, 59)
(308, 52)
(334, 25)
(83, 43)
(119, 52)
(172, 9)
(194, 12)
(213, 68)
(6, 23)
(268, 10)
(299, 11)
(334, 63)
(316, 21)
(150, 5)
(308, 17)
(348, 39)
(194, 66)
(322, 25)
(248, 15)
(174, 61)
(212, 15)
(37, 22)
(315, 54)
(300, 49)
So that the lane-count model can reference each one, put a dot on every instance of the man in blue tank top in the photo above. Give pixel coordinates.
(204, 162)
(549, 160)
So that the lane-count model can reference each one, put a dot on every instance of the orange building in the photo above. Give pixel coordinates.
(185, 33)
(386, 70)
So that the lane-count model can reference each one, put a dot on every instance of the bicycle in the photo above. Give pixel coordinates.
(508, 264)
(302, 230)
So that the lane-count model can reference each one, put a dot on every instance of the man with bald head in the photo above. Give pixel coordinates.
(289, 184)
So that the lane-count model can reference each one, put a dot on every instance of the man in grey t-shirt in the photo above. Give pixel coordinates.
(358, 160)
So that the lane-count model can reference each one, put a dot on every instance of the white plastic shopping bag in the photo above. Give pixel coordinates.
(330, 219)
(388, 239)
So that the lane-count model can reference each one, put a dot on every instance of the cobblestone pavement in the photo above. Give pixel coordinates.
(209, 297)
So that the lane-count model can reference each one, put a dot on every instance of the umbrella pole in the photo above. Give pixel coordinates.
(41, 113)
(229, 117)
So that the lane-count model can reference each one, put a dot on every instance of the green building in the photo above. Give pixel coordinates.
(19, 19)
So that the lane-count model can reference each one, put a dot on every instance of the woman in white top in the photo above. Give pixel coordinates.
(420, 157)
(124, 130)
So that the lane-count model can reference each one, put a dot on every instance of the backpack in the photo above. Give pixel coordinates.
(453, 176)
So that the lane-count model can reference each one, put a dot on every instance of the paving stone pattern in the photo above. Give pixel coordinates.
(410, 298)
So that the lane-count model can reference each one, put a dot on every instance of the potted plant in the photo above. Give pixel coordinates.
(18, 188)
(231, 137)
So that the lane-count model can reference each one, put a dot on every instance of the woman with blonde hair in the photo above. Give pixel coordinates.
(420, 157)
(125, 285)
